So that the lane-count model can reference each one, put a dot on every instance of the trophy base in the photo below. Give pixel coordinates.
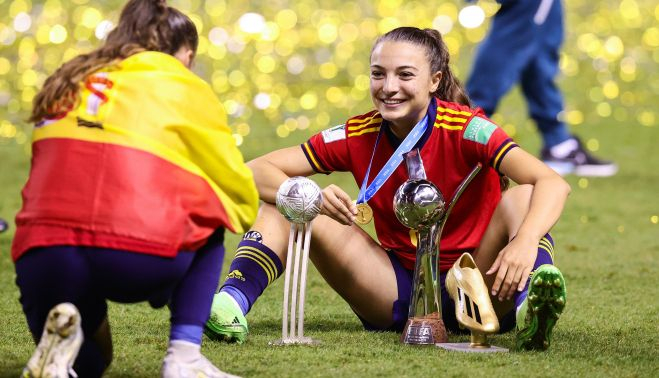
(294, 341)
(428, 330)
(469, 348)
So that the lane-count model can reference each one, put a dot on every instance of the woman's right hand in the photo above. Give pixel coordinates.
(338, 205)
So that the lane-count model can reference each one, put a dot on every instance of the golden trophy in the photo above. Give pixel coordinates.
(420, 205)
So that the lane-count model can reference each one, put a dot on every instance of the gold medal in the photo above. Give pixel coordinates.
(364, 214)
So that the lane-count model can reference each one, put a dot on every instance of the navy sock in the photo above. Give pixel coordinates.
(545, 256)
(254, 267)
(239, 297)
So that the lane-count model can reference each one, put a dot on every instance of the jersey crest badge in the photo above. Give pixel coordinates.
(334, 133)
(479, 130)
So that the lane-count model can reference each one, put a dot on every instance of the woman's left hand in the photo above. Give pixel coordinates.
(513, 266)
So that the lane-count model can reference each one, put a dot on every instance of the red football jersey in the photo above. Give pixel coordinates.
(456, 140)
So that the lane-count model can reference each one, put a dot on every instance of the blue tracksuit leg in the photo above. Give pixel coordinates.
(522, 46)
(544, 99)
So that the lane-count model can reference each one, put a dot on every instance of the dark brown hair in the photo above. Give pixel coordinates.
(144, 25)
(437, 53)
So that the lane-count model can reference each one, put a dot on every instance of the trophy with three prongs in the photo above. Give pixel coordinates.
(420, 205)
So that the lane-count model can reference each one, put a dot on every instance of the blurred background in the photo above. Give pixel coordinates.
(287, 69)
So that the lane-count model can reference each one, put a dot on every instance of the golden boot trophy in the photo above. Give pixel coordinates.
(473, 307)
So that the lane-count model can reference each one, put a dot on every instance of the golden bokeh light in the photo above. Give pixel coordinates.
(300, 66)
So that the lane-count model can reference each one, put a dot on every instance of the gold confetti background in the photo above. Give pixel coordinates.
(285, 69)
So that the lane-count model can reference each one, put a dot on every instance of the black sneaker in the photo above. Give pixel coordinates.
(580, 162)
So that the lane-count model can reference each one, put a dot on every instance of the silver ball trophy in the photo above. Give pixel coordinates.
(420, 205)
(299, 200)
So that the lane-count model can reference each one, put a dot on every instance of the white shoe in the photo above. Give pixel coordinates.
(59, 344)
(197, 368)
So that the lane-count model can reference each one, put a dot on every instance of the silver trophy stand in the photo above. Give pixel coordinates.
(472, 347)
(299, 200)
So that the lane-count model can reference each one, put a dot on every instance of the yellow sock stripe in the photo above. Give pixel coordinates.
(365, 131)
(258, 262)
(548, 251)
(549, 246)
(546, 245)
(453, 111)
(448, 127)
(265, 258)
(355, 127)
(544, 241)
(262, 256)
(256, 256)
(502, 152)
(314, 161)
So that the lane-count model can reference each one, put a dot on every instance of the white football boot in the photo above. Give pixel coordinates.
(59, 345)
(184, 361)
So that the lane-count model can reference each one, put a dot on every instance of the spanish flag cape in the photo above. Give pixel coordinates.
(145, 163)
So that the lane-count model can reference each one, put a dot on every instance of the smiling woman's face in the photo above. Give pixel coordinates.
(401, 82)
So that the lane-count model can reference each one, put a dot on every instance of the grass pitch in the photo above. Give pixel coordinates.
(607, 241)
(607, 247)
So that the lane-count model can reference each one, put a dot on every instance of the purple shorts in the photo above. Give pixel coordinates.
(88, 277)
(401, 306)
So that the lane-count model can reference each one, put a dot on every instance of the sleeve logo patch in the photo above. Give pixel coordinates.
(334, 133)
(479, 130)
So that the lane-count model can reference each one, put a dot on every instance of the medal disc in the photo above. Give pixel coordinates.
(364, 214)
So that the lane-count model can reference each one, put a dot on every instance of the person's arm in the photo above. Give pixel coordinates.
(515, 262)
(272, 169)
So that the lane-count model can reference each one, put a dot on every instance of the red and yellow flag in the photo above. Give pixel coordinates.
(146, 162)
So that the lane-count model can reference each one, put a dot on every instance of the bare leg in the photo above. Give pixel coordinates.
(503, 226)
(351, 262)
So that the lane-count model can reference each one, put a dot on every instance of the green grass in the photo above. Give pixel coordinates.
(606, 244)
(607, 248)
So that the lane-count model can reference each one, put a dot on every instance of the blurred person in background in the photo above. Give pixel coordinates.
(522, 46)
(419, 104)
(134, 178)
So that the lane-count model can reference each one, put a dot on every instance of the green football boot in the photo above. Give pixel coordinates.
(541, 309)
(226, 321)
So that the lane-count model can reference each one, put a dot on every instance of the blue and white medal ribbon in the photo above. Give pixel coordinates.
(364, 211)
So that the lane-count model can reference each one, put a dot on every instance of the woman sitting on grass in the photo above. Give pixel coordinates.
(418, 103)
